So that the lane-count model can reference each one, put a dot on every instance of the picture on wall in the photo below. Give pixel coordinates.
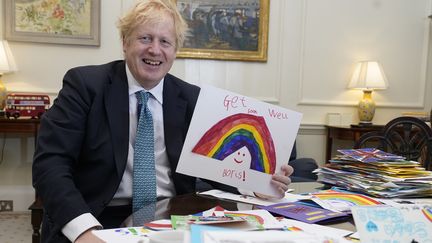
(73, 22)
(225, 29)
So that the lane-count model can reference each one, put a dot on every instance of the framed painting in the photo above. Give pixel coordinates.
(75, 22)
(225, 29)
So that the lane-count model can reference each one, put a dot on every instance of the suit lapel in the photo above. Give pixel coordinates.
(174, 111)
(117, 110)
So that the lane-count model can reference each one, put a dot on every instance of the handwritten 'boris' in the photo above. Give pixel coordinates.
(235, 174)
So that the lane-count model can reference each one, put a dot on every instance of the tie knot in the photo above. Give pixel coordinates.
(142, 97)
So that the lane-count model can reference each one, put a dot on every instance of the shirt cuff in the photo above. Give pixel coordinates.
(246, 192)
(79, 225)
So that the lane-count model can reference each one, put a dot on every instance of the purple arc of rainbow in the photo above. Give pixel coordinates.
(237, 131)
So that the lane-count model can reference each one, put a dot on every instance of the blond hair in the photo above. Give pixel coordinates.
(148, 11)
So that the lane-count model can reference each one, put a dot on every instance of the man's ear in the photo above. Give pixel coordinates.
(125, 43)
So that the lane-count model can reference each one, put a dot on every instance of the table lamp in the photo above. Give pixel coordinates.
(367, 76)
(7, 64)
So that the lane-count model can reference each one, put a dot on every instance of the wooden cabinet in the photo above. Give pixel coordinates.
(351, 133)
(19, 126)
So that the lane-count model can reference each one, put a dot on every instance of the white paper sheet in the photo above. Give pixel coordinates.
(289, 197)
(123, 235)
(408, 223)
(316, 228)
(266, 237)
(238, 140)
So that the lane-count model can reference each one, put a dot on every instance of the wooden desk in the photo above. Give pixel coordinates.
(192, 203)
(31, 126)
(351, 133)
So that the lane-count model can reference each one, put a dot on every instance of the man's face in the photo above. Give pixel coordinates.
(150, 51)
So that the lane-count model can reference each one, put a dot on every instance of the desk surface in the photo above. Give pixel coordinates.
(192, 203)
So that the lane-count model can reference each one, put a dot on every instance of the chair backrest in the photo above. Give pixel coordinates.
(406, 136)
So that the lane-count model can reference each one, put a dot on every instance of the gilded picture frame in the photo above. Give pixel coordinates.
(74, 22)
(225, 29)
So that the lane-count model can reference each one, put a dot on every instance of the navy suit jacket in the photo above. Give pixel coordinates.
(82, 146)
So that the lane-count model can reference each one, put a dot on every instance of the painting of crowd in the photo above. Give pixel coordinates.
(233, 25)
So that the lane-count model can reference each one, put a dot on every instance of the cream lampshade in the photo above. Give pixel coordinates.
(367, 76)
(7, 64)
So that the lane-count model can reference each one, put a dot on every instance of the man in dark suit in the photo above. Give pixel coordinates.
(83, 161)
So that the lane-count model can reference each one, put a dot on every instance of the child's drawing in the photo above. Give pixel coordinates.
(235, 132)
(237, 140)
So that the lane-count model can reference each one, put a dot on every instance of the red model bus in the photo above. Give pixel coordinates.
(26, 105)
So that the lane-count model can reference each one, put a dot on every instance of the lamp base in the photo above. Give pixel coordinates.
(366, 108)
(363, 124)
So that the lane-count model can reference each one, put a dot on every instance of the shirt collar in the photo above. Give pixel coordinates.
(134, 86)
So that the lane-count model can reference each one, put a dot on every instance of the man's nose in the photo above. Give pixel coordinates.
(155, 47)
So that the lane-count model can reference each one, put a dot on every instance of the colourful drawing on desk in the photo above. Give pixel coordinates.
(235, 132)
(254, 217)
(370, 155)
(393, 224)
(237, 140)
(230, 221)
(293, 228)
(342, 201)
(304, 213)
(130, 234)
(427, 212)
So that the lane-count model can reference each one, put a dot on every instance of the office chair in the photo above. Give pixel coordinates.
(36, 209)
(406, 136)
(303, 167)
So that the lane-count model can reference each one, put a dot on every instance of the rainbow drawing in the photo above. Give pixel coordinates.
(350, 198)
(293, 228)
(253, 217)
(237, 131)
(427, 212)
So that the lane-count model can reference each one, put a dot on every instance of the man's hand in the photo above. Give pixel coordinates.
(281, 181)
(88, 237)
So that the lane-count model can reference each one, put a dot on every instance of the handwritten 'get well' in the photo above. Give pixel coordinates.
(236, 102)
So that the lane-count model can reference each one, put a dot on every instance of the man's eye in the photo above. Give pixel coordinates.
(166, 43)
(145, 39)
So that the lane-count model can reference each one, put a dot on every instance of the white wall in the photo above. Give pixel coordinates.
(313, 45)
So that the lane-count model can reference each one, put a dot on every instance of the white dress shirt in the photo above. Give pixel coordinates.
(164, 183)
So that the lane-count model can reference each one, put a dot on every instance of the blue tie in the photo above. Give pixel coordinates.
(144, 175)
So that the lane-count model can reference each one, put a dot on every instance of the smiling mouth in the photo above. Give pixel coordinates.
(238, 161)
(153, 63)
